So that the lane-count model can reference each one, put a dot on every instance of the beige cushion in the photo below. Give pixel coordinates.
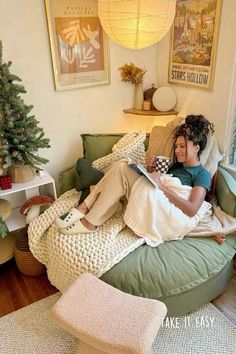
(161, 139)
(108, 319)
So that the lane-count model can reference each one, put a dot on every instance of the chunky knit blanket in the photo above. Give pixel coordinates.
(68, 256)
(131, 147)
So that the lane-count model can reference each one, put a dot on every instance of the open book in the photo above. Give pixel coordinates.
(142, 171)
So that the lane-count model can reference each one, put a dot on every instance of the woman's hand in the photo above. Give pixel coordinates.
(150, 162)
(156, 176)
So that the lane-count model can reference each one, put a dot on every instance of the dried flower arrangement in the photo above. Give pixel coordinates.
(131, 73)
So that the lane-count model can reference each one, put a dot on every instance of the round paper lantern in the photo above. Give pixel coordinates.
(136, 24)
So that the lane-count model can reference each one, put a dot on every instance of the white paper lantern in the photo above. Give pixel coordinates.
(136, 24)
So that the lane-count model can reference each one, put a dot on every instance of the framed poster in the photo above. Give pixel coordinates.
(78, 44)
(194, 43)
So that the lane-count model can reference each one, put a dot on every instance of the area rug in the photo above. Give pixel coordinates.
(31, 330)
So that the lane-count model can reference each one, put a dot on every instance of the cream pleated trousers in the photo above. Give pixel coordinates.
(104, 200)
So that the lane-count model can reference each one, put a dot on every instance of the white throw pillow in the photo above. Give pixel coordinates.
(211, 155)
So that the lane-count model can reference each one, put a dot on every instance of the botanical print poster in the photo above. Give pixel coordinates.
(78, 43)
(194, 42)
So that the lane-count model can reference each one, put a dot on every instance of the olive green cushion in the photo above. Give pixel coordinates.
(87, 176)
(171, 268)
(226, 191)
(67, 179)
(99, 145)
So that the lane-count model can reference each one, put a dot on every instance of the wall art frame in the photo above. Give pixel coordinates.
(79, 46)
(193, 44)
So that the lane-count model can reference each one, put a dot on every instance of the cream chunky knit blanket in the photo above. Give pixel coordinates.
(68, 256)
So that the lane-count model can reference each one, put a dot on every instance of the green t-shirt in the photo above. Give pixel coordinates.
(192, 176)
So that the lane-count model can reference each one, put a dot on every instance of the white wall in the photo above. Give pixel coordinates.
(213, 104)
(65, 115)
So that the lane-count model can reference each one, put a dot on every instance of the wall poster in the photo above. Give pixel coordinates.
(194, 43)
(78, 44)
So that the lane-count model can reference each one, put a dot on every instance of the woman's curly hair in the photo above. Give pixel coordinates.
(196, 129)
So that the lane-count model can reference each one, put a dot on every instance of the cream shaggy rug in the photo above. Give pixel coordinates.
(31, 330)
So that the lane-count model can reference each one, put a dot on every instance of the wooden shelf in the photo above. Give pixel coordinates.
(16, 220)
(42, 183)
(38, 180)
(152, 112)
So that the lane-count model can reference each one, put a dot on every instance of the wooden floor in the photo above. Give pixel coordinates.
(18, 290)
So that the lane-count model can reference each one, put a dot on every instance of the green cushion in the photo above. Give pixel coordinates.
(99, 145)
(86, 174)
(226, 191)
(67, 179)
(171, 268)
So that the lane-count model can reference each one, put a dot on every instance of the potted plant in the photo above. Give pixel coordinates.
(20, 136)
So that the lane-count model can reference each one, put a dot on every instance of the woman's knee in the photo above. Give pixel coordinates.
(119, 165)
(122, 168)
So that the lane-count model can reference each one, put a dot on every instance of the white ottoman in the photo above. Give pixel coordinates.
(108, 320)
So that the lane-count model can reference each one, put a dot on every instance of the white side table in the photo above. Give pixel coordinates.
(43, 183)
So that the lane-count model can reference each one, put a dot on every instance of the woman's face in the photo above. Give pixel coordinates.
(185, 151)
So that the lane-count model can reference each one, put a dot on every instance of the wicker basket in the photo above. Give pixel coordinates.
(25, 261)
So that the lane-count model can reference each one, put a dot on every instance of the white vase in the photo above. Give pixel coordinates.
(138, 96)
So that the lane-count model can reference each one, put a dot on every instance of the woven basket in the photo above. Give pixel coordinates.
(25, 261)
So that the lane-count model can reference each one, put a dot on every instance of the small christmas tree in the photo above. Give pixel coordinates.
(20, 136)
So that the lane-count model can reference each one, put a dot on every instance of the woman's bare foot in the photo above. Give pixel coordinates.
(83, 208)
(87, 224)
(219, 238)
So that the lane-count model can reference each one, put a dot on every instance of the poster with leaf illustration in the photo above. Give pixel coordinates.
(78, 44)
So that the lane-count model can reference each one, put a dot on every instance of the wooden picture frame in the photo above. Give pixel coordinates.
(78, 43)
(193, 44)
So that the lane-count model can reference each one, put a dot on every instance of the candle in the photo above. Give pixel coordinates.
(146, 105)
